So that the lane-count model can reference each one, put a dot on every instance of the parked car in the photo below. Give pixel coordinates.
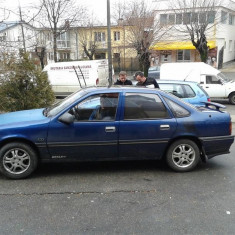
(115, 123)
(190, 92)
(154, 72)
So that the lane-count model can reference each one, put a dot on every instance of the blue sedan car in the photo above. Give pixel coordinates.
(117, 123)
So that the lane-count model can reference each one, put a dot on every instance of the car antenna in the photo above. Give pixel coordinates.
(77, 76)
(82, 75)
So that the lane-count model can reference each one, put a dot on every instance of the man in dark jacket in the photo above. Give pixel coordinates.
(143, 81)
(122, 80)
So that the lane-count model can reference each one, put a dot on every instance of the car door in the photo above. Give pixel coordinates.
(145, 126)
(214, 87)
(87, 137)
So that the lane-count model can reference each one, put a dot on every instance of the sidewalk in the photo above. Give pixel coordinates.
(228, 67)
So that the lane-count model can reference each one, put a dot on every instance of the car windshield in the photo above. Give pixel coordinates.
(155, 68)
(223, 78)
(59, 106)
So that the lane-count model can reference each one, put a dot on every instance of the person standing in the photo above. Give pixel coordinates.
(122, 80)
(145, 81)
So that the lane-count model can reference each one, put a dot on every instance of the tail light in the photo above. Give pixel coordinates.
(209, 99)
(97, 81)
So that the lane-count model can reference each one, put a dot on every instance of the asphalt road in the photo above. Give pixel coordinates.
(143, 197)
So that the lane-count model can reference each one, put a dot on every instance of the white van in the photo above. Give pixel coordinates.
(211, 79)
(67, 77)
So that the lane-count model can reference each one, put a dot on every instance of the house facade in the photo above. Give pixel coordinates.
(176, 46)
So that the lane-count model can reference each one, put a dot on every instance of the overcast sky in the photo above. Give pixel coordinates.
(98, 7)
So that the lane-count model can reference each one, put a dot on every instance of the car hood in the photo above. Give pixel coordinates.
(22, 116)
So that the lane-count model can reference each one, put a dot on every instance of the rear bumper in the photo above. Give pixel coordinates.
(213, 146)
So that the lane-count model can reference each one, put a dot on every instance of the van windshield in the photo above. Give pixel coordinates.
(223, 78)
(60, 105)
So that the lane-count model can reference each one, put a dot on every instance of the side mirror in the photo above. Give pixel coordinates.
(67, 118)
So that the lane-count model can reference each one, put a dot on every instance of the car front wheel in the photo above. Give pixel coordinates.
(183, 155)
(232, 98)
(17, 160)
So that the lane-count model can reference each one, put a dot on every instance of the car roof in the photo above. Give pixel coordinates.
(176, 82)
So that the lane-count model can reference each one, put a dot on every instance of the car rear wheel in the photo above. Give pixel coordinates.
(17, 160)
(183, 155)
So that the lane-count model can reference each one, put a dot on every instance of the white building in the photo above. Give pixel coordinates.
(176, 46)
(16, 35)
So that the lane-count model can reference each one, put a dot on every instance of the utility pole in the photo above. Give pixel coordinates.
(22, 30)
(109, 45)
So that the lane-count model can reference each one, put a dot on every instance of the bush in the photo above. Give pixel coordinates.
(24, 86)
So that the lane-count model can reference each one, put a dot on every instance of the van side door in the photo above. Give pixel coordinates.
(213, 86)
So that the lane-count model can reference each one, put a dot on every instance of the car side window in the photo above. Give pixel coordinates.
(144, 106)
(177, 110)
(212, 80)
(189, 91)
(101, 107)
(175, 89)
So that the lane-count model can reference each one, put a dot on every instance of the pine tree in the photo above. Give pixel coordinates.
(24, 86)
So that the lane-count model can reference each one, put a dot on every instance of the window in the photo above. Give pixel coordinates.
(99, 36)
(163, 19)
(177, 110)
(116, 36)
(231, 19)
(189, 91)
(171, 19)
(187, 18)
(175, 89)
(224, 17)
(202, 18)
(230, 45)
(178, 19)
(144, 106)
(212, 80)
(194, 17)
(211, 17)
(183, 55)
(101, 107)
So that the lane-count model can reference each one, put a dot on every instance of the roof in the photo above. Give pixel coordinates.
(7, 24)
(10, 24)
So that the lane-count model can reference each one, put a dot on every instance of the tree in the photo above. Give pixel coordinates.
(87, 41)
(24, 86)
(199, 19)
(143, 29)
(59, 15)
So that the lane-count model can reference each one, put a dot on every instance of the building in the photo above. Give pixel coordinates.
(176, 46)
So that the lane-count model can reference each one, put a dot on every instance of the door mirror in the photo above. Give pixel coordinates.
(67, 118)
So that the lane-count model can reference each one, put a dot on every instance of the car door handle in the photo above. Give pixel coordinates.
(164, 127)
(110, 129)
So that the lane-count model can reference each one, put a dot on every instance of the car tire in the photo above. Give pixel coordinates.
(183, 155)
(17, 160)
(232, 98)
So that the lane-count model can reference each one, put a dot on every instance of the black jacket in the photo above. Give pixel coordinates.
(127, 82)
(149, 81)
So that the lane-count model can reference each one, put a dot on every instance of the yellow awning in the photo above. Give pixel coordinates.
(179, 45)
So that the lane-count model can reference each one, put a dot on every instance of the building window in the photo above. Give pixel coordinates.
(178, 19)
(171, 19)
(230, 45)
(187, 18)
(183, 55)
(163, 19)
(116, 36)
(231, 19)
(99, 36)
(224, 17)
(194, 17)
(202, 18)
(211, 17)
